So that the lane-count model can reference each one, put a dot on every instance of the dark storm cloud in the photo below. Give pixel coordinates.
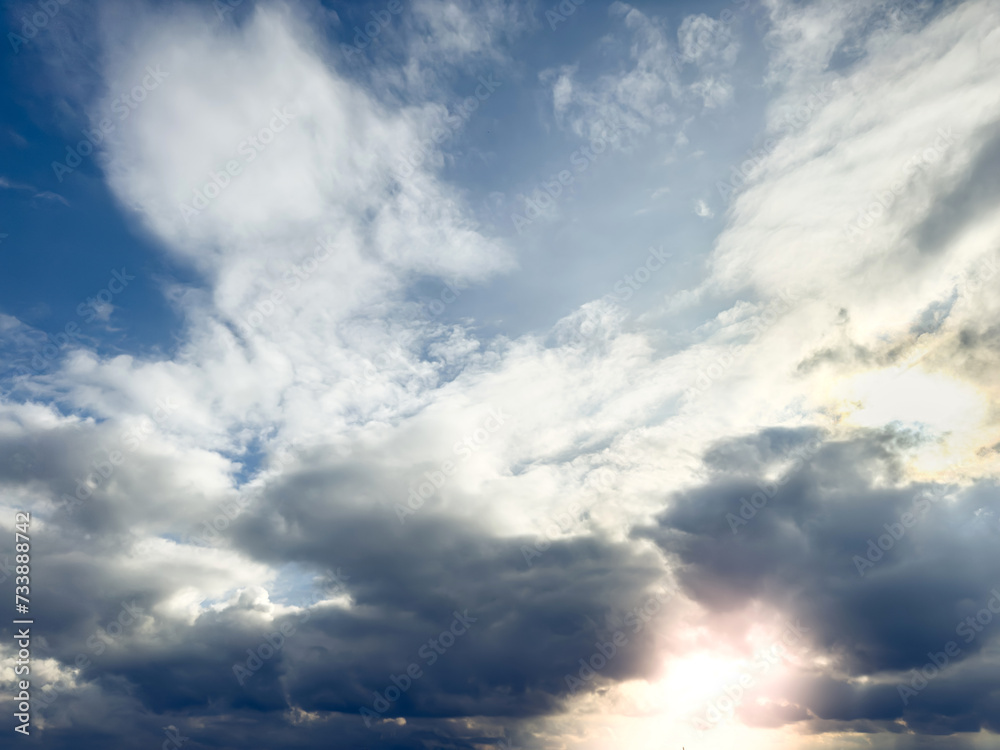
(92, 471)
(532, 623)
(528, 627)
(881, 572)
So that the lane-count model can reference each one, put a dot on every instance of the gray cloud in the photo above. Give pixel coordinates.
(798, 554)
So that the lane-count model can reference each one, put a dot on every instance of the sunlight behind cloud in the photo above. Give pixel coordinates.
(913, 398)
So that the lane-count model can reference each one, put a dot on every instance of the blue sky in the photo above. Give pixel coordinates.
(508, 148)
(670, 326)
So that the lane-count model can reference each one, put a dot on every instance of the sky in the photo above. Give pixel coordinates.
(500, 374)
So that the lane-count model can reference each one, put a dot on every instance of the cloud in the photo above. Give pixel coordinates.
(654, 90)
(842, 541)
(44, 194)
(222, 486)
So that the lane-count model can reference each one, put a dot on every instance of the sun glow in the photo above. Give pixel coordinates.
(694, 681)
(692, 705)
(948, 412)
(913, 397)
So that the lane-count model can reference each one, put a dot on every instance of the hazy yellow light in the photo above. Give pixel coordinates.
(948, 411)
(912, 397)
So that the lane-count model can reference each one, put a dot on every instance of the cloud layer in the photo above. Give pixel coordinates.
(348, 467)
